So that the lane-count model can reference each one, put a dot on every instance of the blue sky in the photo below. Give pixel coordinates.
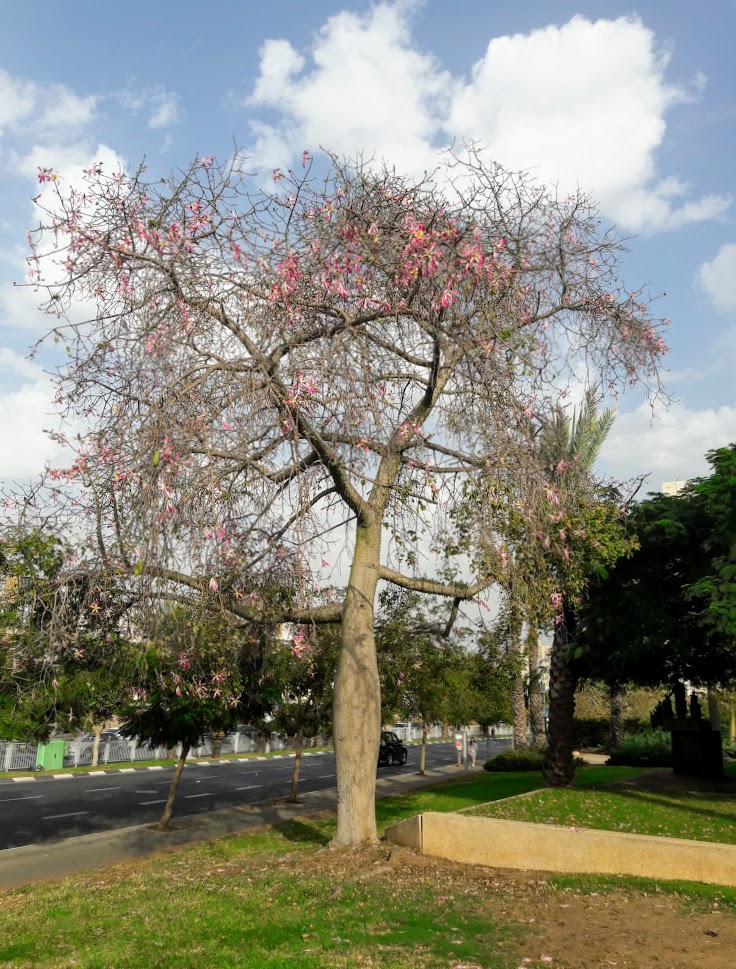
(635, 104)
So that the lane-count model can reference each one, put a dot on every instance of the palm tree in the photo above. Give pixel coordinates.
(565, 441)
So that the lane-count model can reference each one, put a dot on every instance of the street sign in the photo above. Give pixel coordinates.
(459, 744)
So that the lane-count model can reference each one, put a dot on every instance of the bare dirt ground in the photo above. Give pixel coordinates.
(559, 927)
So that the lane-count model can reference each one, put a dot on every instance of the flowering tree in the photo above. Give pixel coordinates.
(273, 377)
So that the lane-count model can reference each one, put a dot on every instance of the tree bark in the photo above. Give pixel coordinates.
(536, 703)
(164, 822)
(357, 698)
(217, 739)
(97, 729)
(445, 732)
(423, 749)
(558, 766)
(297, 764)
(616, 729)
(521, 740)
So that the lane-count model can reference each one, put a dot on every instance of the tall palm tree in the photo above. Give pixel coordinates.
(565, 440)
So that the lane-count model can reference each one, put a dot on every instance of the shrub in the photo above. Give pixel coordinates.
(652, 748)
(590, 733)
(513, 760)
(729, 750)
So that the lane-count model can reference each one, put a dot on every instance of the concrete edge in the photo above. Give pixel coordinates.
(498, 843)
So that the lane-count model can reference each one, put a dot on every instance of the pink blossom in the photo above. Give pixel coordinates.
(226, 426)
(213, 585)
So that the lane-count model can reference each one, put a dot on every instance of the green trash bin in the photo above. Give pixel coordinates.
(50, 756)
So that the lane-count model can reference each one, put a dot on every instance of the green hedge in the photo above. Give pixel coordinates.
(652, 748)
(515, 760)
(593, 732)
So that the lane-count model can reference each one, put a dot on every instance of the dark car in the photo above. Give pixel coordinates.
(391, 751)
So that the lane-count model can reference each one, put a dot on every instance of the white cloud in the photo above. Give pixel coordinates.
(584, 103)
(66, 111)
(17, 99)
(164, 110)
(671, 446)
(718, 279)
(161, 104)
(24, 447)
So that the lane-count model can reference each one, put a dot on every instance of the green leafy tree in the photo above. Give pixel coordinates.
(180, 699)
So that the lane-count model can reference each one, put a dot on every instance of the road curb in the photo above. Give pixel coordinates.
(31, 864)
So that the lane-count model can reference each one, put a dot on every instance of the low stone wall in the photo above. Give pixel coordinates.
(550, 847)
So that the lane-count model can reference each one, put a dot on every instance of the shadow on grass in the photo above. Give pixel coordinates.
(672, 800)
(303, 832)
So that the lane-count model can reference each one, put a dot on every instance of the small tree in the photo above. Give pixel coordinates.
(308, 676)
(176, 703)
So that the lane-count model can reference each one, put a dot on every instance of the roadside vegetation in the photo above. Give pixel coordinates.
(280, 897)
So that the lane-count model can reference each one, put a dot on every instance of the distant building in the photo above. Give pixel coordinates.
(674, 487)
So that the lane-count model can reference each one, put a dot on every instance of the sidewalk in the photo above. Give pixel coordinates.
(44, 862)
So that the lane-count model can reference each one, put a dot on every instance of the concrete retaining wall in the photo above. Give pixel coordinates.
(548, 847)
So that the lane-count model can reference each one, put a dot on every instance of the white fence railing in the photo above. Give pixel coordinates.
(78, 751)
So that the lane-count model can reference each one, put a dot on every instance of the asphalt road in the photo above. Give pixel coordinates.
(52, 808)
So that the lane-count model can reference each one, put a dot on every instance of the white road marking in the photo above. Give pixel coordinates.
(96, 773)
(63, 777)
(321, 777)
(189, 796)
(155, 768)
(22, 780)
(146, 792)
(249, 788)
(162, 801)
(72, 814)
(29, 797)
(127, 770)
(93, 790)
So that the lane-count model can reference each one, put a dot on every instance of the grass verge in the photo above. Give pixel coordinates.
(702, 812)
(278, 897)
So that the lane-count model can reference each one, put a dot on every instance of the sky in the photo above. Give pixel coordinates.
(635, 104)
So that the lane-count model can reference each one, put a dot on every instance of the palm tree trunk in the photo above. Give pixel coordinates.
(217, 739)
(558, 766)
(536, 704)
(616, 732)
(517, 690)
(164, 822)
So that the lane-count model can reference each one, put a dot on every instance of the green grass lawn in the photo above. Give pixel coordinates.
(699, 814)
(280, 898)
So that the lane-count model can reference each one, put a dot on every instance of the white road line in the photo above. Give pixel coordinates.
(96, 773)
(321, 777)
(155, 768)
(162, 801)
(30, 797)
(249, 788)
(22, 780)
(146, 792)
(72, 814)
(190, 796)
(63, 777)
(127, 770)
(93, 790)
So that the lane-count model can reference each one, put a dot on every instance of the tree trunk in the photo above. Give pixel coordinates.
(164, 822)
(297, 765)
(97, 729)
(521, 741)
(445, 732)
(558, 767)
(357, 698)
(536, 703)
(423, 749)
(217, 739)
(732, 722)
(616, 730)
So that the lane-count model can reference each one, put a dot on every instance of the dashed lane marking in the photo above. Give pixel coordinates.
(71, 814)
